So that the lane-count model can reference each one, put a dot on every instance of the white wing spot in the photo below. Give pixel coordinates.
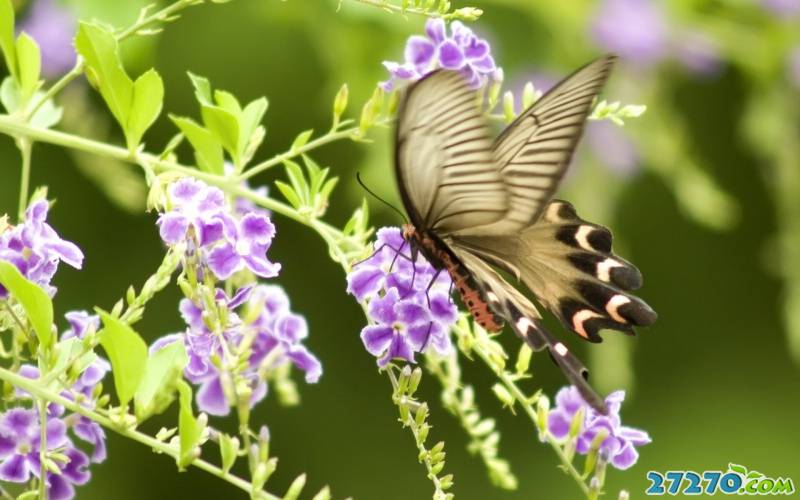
(604, 269)
(579, 318)
(582, 235)
(552, 212)
(492, 297)
(561, 349)
(523, 324)
(614, 303)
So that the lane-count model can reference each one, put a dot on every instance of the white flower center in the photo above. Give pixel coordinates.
(242, 247)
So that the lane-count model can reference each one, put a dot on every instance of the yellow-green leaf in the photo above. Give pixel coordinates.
(32, 298)
(7, 36)
(190, 431)
(127, 352)
(30, 65)
(148, 96)
(161, 374)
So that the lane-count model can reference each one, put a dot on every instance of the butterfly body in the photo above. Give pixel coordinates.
(477, 205)
(472, 295)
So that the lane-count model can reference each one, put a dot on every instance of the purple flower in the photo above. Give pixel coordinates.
(794, 66)
(619, 447)
(246, 245)
(20, 445)
(782, 8)
(275, 337)
(698, 52)
(53, 26)
(195, 206)
(612, 147)
(36, 249)
(408, 302)
(634, 29)
(462, 50)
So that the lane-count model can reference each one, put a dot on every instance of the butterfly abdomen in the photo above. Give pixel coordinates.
(472, 295)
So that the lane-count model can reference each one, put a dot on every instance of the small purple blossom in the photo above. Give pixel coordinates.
(274, 335)
(20, 445)
(408, 316)
(619, 447)
(612, 147)
(228, 239)
(53, 26)
(633, 29)
(36, 249)
(461, 50)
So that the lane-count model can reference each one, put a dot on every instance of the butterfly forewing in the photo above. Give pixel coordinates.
(444, 163)
(534, 151)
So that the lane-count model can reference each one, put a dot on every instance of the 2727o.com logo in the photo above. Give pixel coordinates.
(737, 480)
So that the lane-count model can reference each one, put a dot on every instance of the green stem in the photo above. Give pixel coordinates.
(32, 386)
(25, 147)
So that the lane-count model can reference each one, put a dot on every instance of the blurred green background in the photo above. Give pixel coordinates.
(702, 193)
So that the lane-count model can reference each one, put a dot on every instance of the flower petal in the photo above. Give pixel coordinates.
(376, 338)
(256, 227)
(419, 52)
(436, 29)
(172, 227)
(364, 281)
(625, 457)
(450, 55)
(15, 469)
(307, 362)
(224, 261)
(211, 398)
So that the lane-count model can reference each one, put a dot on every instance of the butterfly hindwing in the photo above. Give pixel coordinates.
(568, 265)
(525, 321)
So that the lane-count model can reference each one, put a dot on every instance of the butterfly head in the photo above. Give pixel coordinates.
(409, 232)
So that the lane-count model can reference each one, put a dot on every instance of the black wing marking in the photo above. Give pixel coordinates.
(534, 151)
(568, 264)
(524, 319)
(445, 166)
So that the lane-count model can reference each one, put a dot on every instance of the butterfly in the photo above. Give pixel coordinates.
(477, 205)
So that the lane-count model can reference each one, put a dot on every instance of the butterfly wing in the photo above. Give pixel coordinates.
(444, 162)
(569, 265)
(534, 151)
(524, 319)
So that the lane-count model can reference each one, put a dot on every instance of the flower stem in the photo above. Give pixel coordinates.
(25, 146)
(32, 386)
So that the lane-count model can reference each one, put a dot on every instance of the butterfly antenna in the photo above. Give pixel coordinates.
(402, 216)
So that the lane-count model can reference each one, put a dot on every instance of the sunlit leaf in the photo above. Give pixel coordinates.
(208, 150)
(32, 298)
(148, 96)
(190, 431)
(162, 371)
(127, 352)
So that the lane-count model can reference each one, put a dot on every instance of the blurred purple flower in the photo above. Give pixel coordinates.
(619, 447)
(36, 249)
(461, 50)
(782, 8)
(53, 26)
(633, 29)
(246, 245)
(408, 316)
(794, 66)
(612, 147)
(698, 52)
(276, 336)
(20, 444)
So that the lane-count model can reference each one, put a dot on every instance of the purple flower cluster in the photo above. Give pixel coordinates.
(20, 442)
(409, 302)
(53, 26)
(619, 447)
(36, 249)
(227, 241)
(273, 337)
(461, 50)
(640, 33)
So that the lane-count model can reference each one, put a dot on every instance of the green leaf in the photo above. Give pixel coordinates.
(99, 49)
(298, 180)
(30, 65)
(228, 102)
(190, 431)
(161, 374)
(228, 448)
(127, 352)
(148, 96)
(202, 89)
(224, 125)
(250, 119)
(7, 36)
(302, 139)
(32, 298)
(288, 192)
(207, 149)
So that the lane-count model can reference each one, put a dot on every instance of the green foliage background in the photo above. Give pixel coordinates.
(713, 381)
